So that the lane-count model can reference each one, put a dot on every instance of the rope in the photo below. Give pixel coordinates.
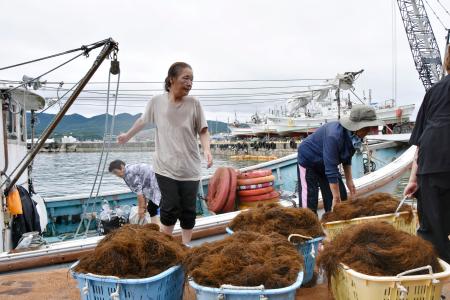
(443, 7)
(55, 68)
(82, 48)
(394, 50)
(111, 132)
(108, 149)
(435, 14)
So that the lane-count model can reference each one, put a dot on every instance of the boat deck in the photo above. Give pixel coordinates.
(58, 284)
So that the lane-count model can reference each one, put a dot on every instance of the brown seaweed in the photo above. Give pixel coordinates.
(372, 205)
(245, 259)
(377, 249)
(276, 218)
(133, 251)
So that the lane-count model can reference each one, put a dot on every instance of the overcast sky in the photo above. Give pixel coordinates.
(222, 40)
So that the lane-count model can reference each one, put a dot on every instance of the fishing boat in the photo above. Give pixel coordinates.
(385, 178)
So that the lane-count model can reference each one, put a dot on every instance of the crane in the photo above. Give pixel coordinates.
(424, 48)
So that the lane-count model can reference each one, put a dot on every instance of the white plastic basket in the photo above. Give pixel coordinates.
(348, 284)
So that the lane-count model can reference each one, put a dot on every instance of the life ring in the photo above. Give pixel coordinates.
(254, 186)
(255, 192)
(255, 174)
(218, 190)
(247, 205)
(231, 199)
(250, 181)
(271, 195)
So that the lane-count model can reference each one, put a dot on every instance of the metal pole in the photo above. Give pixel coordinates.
(338, 99)
(109, 46)
(444, 71)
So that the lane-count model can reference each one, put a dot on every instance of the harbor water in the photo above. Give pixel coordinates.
(64, 174)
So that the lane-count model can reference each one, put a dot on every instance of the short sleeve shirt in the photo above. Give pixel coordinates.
(432, 130)
(141, 180)
(178, 125)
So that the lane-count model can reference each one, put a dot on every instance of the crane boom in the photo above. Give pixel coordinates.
(422, 41)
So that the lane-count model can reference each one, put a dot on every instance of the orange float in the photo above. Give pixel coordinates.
(250, 181)
(218, 190)
(231, 199)
(254, 186)
(271, 195)
(255, 192)
(255, 174)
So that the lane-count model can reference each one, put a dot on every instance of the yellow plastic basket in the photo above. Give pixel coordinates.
(398, 220)
(348, 284)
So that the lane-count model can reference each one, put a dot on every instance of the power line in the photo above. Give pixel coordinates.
(204, 105)
(211, 95)
(210, 81)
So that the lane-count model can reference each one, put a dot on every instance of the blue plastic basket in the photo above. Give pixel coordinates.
(246, 293)
(309, 250)
(166, 285)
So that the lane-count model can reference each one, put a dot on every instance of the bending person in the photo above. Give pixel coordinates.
(141, 180)
(179, 119)
(321, 153)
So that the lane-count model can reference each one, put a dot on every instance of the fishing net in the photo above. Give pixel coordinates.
(245, 259)
(377, 249)
(276, 218)
(133, 251)
(372, 205)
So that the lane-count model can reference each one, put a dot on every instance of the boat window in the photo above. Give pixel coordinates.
(12, 122)
(23, 121)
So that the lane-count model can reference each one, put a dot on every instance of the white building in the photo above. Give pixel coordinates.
(68, 139)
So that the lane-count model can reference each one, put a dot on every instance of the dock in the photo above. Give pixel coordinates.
(57, 284)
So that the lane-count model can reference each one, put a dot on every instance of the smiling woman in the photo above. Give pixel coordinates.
(179, 119)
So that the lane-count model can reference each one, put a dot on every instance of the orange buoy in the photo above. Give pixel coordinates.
(271, 195)
(255, 174)
(255, 192)
(255, 186)
(231, 199)
(13, 202)
(250, 181)
(218, 190)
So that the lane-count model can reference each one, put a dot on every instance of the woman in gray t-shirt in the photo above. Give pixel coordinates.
(179, 120)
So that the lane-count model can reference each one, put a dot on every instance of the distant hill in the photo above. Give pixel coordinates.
(84, 128)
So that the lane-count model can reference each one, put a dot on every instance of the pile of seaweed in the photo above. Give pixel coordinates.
(276, 218)
(133, 251)
(377, 249)
(245, 259)
(372, 205)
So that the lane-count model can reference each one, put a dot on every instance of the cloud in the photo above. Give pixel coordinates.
(221, 39)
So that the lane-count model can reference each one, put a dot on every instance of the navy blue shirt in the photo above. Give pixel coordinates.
(326, 149)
